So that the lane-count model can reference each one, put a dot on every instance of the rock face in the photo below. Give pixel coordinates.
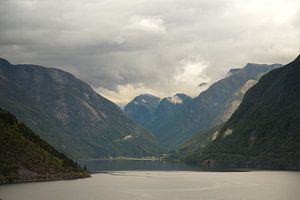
(153, 112)
(68, 114)
(211, 107)
(169, 106)
(174, 120)
(264, 132)
(26, 157)
(142, 109)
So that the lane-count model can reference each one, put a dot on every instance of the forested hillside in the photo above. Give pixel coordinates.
(265, 130)
(26, 157)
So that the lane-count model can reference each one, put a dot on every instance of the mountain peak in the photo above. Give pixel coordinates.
(145, 98)
(53, 102)
(178, 98)
(147, 95)
(297, 58)
(272, 102)
(251, 64)
(181, 95)
(175, 99)
(247, 66)
(233, 71)
(4, 61)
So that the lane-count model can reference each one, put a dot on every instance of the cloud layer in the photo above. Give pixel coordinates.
(126, 47)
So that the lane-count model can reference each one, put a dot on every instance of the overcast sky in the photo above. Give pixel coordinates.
(127, 47)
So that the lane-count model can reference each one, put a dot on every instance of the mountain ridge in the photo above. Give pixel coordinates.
(160, 109)
(204, 111)
(210, 108)
(264, 131)
(66, 112)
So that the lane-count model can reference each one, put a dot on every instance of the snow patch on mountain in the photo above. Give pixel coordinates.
(227, 132)
(127, 137)
(175, 99)
(215, 135)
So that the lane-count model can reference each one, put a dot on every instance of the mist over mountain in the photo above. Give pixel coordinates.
(69, 114)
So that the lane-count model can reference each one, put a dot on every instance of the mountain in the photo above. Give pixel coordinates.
(195, 144)
(211, 107)
(169, 106)
(167, 110)
(264, 132)
(153, 112)
(26, 157)
(69, 114)
(142, 109)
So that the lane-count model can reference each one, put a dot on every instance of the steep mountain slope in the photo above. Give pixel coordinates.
(166, 110)
(195, 144)
(142, 109)
(152, 112)
(68, 114)
(265, 130)
(168, 107)
(212, 106)
(26, 157)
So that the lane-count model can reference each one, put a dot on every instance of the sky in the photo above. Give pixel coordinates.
(123, 48)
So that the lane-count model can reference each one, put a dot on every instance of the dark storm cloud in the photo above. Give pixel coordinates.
(124, 47)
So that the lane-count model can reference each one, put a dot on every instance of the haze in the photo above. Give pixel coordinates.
(124, 48)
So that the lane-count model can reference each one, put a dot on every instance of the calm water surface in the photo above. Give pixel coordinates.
(164, 185)
(142, 165)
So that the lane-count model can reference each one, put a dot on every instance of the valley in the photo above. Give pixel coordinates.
(149, 100)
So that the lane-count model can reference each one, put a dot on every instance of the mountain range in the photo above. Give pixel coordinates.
(249, 119)
(264, 132)
(152, 112)
(142, 109)
(190, 116)
(68, 114)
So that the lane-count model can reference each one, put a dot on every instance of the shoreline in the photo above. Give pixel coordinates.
(113, 172)
(200, 170)
(121, 158)
(43, 178)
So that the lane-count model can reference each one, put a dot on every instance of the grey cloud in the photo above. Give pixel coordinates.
(113, 44)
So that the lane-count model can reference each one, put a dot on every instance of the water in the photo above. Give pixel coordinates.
(125, 165)
(164, 185)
